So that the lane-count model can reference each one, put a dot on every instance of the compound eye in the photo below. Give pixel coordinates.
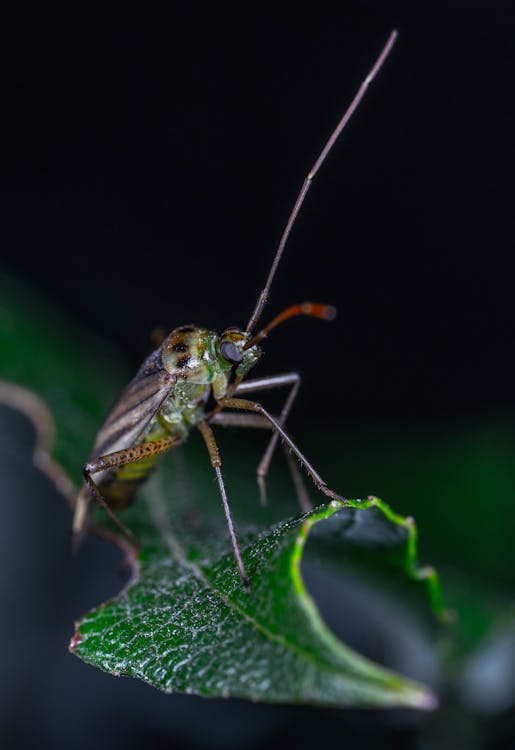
(230, 352)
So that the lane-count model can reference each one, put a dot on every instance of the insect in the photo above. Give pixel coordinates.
(170, 392)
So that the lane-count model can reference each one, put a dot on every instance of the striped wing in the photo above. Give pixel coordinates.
(134, 409)
(132, 412)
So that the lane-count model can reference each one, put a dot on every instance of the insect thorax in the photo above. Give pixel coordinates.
(197, 357)
(194, 356)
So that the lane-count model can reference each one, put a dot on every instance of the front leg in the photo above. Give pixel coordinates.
(258, 422)
(216, 463)
(253, 406)
(292, 379)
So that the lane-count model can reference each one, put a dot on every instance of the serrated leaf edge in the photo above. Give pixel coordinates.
(402, 691)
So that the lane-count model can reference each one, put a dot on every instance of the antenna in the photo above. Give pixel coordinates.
(263, 297)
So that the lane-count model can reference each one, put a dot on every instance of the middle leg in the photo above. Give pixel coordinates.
(293, 380)
(258, 422)
(253, 406)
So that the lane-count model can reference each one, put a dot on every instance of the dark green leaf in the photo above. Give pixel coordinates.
(187, 624)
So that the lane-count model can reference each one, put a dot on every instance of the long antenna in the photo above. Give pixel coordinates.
(263, 297)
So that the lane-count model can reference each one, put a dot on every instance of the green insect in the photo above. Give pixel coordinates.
(169, 394)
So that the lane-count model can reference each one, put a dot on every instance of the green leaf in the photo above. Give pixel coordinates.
(187, 624)
(184, 622)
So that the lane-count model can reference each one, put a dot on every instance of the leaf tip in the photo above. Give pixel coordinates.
(75, 640)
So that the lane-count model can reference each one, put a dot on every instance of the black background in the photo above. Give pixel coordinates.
(149, 158)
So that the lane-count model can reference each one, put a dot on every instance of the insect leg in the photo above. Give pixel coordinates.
(267, 383)
(216, 463)
(292, 379)
(302, 494)
(257, 421)
(252, 406)
(114, 461)
(234, 419)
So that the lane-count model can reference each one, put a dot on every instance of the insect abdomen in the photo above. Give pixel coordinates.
(120, 487)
